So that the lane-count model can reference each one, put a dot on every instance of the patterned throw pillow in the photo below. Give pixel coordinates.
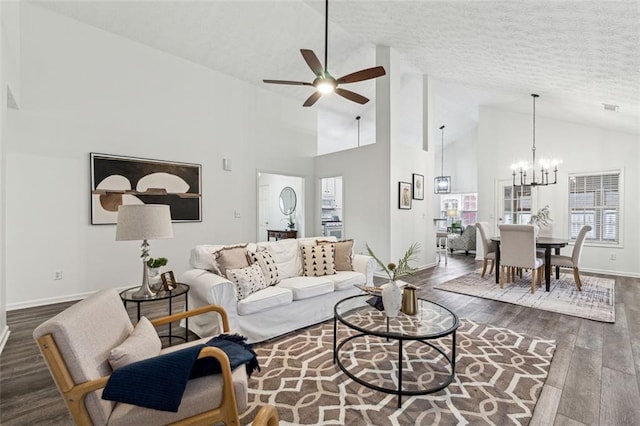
(268, 266)
(233, 257)
(343, 255)
(318, 260)
(247, 280)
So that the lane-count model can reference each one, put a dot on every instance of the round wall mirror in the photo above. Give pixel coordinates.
(288, 200)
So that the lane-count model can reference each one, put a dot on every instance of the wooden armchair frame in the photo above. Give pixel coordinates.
(74, 394)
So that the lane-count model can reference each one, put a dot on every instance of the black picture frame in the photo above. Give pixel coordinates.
(404, 195)
(117, 180)
(418, 187)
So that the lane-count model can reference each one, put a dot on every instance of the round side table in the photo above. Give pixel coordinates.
(180, 290)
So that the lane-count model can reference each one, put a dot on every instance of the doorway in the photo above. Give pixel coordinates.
(272, 213)
(332, 212)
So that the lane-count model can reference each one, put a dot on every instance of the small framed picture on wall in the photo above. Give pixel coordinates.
(404, 195)
(418, 187)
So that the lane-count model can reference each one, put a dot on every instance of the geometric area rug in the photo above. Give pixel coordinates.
(499, 377)
(594, 302)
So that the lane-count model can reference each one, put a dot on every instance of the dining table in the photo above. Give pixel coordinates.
(546, 243)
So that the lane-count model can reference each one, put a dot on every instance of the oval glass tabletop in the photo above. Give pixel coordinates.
(431, 321)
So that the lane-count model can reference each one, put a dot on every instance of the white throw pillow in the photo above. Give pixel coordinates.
(287, 256)
(318, 260)
(142, 343)
(268, 266)
(247, 280)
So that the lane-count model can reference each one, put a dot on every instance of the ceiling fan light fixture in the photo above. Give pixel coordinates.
(326, 86)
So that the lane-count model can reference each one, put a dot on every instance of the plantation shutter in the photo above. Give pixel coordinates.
(595, 200)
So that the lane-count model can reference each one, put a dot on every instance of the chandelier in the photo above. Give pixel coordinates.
(442, 184)
(544, 165)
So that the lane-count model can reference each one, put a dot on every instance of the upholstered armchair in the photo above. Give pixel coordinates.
(466, 241)
(518, 251)
(77, 347)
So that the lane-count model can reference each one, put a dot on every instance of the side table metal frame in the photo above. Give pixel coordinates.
(163, 295)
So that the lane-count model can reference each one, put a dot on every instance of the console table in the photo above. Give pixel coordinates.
(281, 234)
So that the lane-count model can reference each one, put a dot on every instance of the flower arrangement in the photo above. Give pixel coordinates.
(401, 269)
(541, 218)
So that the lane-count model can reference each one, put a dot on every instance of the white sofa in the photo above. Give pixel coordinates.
(296, 301)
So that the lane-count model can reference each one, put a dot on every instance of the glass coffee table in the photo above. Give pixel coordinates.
(366, 352)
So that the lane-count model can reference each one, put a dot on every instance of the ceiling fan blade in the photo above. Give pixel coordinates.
(312, 99)
(312, 60)
(362, 75)
(352, 96)
(294, 83)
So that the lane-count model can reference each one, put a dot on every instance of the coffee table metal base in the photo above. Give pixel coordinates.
(399, 391)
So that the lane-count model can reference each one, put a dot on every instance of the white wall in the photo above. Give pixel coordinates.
(505, 137)
(85, 90)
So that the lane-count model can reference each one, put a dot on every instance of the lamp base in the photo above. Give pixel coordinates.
(144, 292)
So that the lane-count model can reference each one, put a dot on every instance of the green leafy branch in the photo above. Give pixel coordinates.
(402, 268)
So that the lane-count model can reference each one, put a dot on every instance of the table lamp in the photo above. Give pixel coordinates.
(144, 222)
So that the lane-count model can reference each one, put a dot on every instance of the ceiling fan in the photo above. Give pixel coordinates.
(325, 82)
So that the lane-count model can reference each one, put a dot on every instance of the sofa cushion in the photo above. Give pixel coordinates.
(318, 260)
(267, 298)
(247, 280)
(343, 280)
(342, 255)
(142, 343)
(306, 287)
(287, 256)
(233, 257)
(267, 264)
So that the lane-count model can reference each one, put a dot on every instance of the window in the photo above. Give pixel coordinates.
(517, 204)
(594, 199)
(461, 208)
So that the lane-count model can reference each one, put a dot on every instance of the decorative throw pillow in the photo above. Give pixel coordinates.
(318, 260)
(247, 280)
(268, 266)
(142, 343)
(343, 254)
(233, 257)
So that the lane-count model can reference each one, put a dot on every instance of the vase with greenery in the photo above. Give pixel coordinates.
(391, 294)
(157, 262)
(291, 224)
(153, 266)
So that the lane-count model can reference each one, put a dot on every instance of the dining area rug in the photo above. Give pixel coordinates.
(499, 376)
(596, 301)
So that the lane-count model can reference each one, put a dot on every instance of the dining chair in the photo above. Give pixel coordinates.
(518, 250)
(573, 261)
(488, 247)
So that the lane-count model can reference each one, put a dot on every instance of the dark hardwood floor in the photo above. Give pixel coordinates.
(594, 377)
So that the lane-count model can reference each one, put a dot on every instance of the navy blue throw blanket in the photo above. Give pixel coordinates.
(159, 382)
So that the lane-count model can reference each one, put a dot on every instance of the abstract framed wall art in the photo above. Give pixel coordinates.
(117, 180)
(418, 187)
(404, 195)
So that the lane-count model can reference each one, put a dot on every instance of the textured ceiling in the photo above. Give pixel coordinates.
(576, 54)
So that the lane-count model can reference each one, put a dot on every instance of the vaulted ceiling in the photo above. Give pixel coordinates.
(576, 55)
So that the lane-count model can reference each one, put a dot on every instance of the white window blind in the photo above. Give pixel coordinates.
(594, 200)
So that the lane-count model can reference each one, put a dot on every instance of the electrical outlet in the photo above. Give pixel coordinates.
(236, 214)
(612, 256)
(57, 275)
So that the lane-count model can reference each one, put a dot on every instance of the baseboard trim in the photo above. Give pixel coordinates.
(4, 337)
(609, 272)
(48, 301)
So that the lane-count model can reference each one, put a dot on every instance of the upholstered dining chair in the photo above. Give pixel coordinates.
(518, 250)
(573, 261)
(77, 347)
(488, 247)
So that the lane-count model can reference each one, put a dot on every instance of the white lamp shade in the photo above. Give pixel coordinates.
(143, 222)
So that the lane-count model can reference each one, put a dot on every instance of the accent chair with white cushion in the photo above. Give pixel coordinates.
(573, 261)
(77, 345)
(518, 251)
(488, 247)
